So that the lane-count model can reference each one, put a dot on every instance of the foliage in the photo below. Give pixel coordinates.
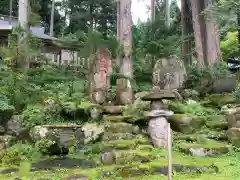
(192, 109)
(34, 115)
(19, 152)
(201, 78)
(236, 93)
(230, 46)
(17, 52)
(6, 109)
(44, 145)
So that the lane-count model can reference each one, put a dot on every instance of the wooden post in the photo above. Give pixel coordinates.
(169, 152)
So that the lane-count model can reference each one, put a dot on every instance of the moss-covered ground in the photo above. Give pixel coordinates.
(226, 167)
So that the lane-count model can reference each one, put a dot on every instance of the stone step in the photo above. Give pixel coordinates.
(126, 157)
(116, 118)
(113, 109)
(206, 148)
(108, 136)
(109, 146)
(121, 127)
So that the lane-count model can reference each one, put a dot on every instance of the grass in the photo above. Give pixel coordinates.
(229, 169)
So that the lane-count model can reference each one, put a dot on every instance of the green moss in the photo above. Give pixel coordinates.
(126, 144)
(217, 122)
(221, 99)
(88, 105)
(118, 118)
(120, 127)
(145, 147)
(108, 136)
(207, 145)
(121, 144)
(234, 136)
(186, 123)
(126, 157)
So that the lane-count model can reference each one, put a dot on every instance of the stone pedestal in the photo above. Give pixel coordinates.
(124, 94)
(158, 124)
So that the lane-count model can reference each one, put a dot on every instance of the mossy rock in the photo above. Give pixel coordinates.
(185, 123)
(126, 144)
(217, 135)
(186, 137)
(140, 156)
(88, 105)
(108, 136)
(234, 136)
(145, 147)
(160, 168)
(117, 118)
(113, 109)
(122, 128)
(121, 144)
(218, 122)
(220, 100)
(208, 148)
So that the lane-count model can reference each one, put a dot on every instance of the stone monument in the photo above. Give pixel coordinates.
(168, 76)
(100, 80)
(171, 70)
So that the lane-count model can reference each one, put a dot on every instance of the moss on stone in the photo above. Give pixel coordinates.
(234, 136)
(88, 105)
(126, 157)
(121, 127)
(117, 118)
(217, 122)
(186, 123)
(126, 144)
(108, 136)
(209, 145)
(121, 144)
(145, 147)
(221, 99)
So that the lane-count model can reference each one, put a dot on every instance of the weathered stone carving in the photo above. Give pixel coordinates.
(169, 73)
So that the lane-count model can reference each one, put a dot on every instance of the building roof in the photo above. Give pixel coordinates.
(37, 31)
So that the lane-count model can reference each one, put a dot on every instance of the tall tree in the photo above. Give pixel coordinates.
(187, 30)
(98, 14)
(206, 34)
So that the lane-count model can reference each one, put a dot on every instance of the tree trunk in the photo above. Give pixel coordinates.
(167, 13)
(212, 38)
(125, 35)
(206, 34)
(187, 30)
(197, 27)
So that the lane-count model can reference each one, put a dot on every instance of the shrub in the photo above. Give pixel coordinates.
(230, 46)
(6, 110)
(34, 115)
(44, 145)
(202, 78)
(20, 152)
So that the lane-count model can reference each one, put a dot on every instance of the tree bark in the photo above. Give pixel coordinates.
(197, 31)
(206, 34)
(125, 37)
(187, 30)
